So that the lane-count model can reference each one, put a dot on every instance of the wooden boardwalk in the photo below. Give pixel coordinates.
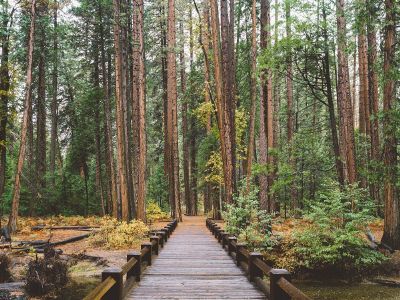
(194, 266)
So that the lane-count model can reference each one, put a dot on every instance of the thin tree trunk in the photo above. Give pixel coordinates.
(4, 97)
(173, 113)
(185, 128)
(139, 106)
(54, 102)
(373, 96)
(253, 95)
(344, 99)
(120, 114)
(193, 128)
(41, 110)
(391, 233)
(263, 145)
(109, 149)
(223, 113)
(12, 221)
(331, 106)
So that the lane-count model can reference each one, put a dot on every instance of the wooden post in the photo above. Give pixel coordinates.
(254, 271)
(156, 239)
(276, 292)
(239, 256)
(217, 229)
(165, 234)
(147, 257)
(115, 293)
(231, 248)
(137, 268)
(168, 230)
(161, 234)
(222, 239)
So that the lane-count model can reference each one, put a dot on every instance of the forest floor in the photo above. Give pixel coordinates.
(84, 259)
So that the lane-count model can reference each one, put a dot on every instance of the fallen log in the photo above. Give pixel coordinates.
(41, 247)
(387, 282)
(41, 227)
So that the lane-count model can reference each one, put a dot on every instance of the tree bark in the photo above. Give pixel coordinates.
(109, 149)
(174, 186)
(54, 102)
(253, 95)
(139, 108)
(185, 128)
(345, 107)
(12, 221)
(223, 112)
(120, 96)
(391, 233)
(373, 99)
(4, 97)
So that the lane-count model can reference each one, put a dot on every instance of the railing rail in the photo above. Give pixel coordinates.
(113, 286)
(280, 286)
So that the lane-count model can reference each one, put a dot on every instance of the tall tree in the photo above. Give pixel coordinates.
(346, 123)
(391, 234)
(54, 102)
(12, 221)
(265, 42)
(172, 120)
(185, 127)
(5, 90)
(109, 149)
(253, 93)
(193, 128)
(373, 96)
(223, 109)
(139, 108)
(120, 94)
(41, 102)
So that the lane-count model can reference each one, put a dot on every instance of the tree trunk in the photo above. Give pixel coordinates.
(205, 39)
(345, 107)
(185, 128)
(331, 106)
(41, 109)
(193, 128)
(54, 102)
(174, 186)
(4, 98)
(109, 149)
(120, 96)
(391, 233)
(139, 108)
(12, 221)
(223, 110)
(253, 95)
(373, 96)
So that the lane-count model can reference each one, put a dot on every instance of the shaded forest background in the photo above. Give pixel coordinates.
(189, 104)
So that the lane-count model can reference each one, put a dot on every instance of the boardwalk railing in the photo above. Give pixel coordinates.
(113, 285)
(280, 287)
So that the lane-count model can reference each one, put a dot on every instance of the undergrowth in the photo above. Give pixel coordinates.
(119, 235)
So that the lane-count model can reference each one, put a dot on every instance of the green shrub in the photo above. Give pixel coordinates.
(334, 239)
(245, 220)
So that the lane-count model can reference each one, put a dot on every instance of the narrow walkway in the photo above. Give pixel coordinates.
(194, 266)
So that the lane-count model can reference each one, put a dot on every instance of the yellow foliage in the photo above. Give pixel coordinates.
(119, 235)
(154, 213)
(203, 112)
(214, 169)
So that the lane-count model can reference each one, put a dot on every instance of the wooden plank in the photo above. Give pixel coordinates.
(192, 265)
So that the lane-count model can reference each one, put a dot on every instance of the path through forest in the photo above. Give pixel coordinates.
(193, 265)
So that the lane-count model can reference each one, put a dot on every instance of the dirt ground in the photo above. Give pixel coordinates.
(84, 259)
